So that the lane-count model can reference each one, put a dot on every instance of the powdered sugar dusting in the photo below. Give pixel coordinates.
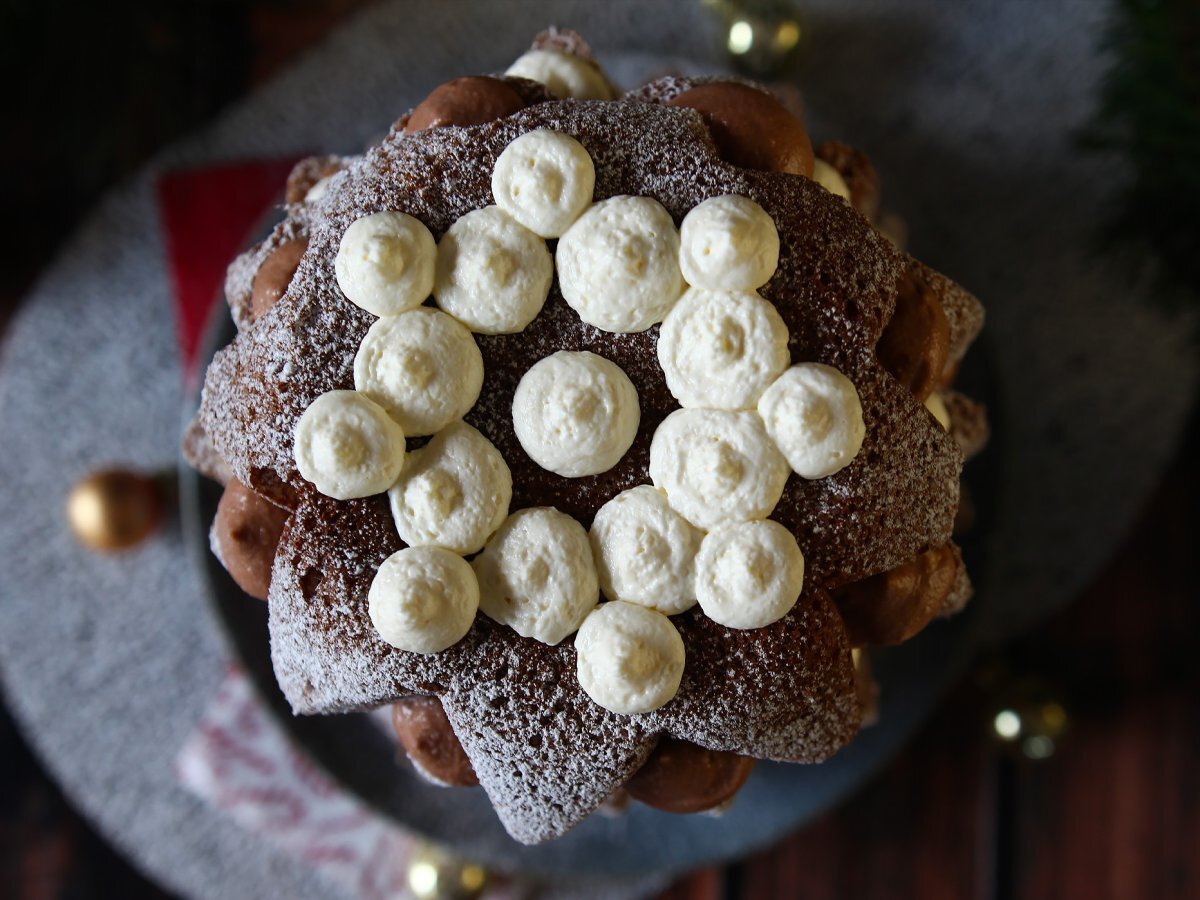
(327, 655)
(239, 278)
(545, 753)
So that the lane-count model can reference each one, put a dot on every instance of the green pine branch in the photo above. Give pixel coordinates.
(1149, 112)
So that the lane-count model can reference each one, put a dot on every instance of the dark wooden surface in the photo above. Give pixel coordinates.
(1114, 813)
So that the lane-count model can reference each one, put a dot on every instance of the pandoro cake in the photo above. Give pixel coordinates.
(599, 434)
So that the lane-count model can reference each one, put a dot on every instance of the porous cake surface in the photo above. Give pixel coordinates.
(546, 753)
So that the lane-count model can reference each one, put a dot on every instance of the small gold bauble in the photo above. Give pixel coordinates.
(113, 509)
(433, 874)
(760, 35)
(1027, 720)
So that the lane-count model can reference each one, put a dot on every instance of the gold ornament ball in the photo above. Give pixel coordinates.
(1031, 728)
(434, 874)
(760, 35)
(114, 510)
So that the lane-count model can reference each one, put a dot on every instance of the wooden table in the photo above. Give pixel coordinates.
(1114, 812)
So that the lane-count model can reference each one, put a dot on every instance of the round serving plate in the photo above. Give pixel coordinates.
(361, 756)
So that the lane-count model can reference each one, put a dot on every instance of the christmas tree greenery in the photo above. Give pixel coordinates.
(1149, 112)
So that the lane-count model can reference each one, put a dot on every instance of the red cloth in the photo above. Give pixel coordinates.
(208, 216)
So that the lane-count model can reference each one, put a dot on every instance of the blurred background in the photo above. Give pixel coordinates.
(1062, 765)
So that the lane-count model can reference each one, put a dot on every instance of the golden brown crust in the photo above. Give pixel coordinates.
(680, 777)
(916, 342)
(200, 455)
(274, 276)
(246, 532)
(239, 279)
(964, 314)
(857, 171)
(425, 734)
(750, 127)
(470, 100)
(891, 607)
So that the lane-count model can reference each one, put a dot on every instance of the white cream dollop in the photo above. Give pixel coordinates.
(717, 466)
(575, 413)
(618, 266)
(813, 414)
(453, 493)
(544, 179)
(831, 179)
(348, 446)
(629, 659)
(644, 551)
(749, 574)
(318, 190)
(385, 263)
(536, 575)
(721, 350)
(493, 274)
(938, 409)
(421, 366)
(423, 599)
(563, 74)
(728, 243)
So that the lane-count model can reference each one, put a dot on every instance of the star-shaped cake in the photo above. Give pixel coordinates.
(596, 432)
